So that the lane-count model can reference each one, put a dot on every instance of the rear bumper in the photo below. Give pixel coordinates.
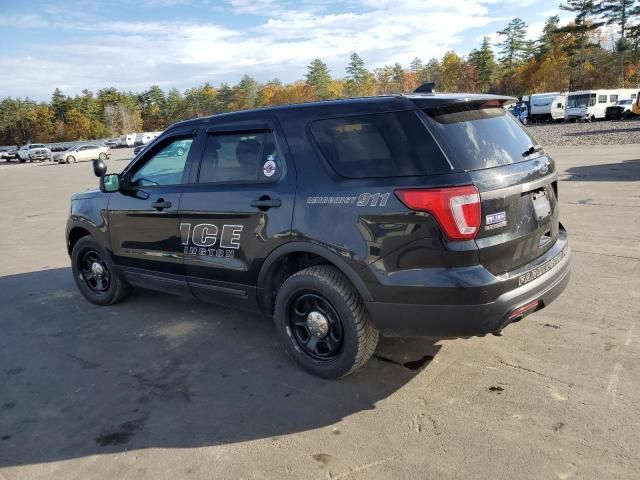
(542, 283)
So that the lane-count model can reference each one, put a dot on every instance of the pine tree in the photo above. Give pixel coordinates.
(585, 21)
(398, 77)
(319, 79)
(545, 42)
(357, 76)
(484, 62)
(620, 12)
(513, 47)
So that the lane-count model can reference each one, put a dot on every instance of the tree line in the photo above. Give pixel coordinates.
(599, 48)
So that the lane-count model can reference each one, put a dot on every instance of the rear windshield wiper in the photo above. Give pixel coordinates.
(533, 149)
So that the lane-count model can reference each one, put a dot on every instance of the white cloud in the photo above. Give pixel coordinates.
(133, 55)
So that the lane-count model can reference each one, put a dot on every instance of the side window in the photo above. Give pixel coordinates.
(613, 98)
(165, 167)
(379, 145)
(592, 99)
(250, 157)
(602, 99)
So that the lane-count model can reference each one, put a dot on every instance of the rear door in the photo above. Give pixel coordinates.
(516, 179)
(237, 209)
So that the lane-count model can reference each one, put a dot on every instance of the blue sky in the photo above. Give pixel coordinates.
(132, 44)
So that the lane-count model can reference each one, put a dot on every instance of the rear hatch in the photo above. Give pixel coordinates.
(517, 181)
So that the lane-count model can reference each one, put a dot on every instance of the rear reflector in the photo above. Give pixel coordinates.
(520, 311)
(457, 209)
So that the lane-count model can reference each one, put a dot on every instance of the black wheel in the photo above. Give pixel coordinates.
(94, 274)
(102, 156)
(323, 322)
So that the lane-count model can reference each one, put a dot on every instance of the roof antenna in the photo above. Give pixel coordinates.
(425, 88)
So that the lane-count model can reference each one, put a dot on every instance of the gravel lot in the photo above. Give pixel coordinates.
(166, 388)
(615, 132)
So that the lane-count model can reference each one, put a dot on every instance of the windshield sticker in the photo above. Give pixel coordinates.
(269, 168)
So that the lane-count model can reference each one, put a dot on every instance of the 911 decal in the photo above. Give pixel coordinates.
(202, 239)
(362, 200)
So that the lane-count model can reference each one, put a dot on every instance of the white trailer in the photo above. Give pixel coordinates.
(127, 140)
(149, 136)
(558, 107)
(592, 104)
(138, 139)
(546, 106)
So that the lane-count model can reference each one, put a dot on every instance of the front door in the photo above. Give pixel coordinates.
(237, 210)
(143, 217)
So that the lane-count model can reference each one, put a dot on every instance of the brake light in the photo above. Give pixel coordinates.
(457, 209)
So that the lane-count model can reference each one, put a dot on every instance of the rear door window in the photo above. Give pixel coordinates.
(392, 144)
(243, 157)
(477, 138)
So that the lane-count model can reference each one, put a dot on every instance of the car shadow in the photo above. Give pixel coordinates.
(625, 171)
(160, 371)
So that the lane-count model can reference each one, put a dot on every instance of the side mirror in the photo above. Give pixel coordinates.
(99, 168)
(110, 183)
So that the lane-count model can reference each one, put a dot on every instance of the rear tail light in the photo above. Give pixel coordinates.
(457, 209)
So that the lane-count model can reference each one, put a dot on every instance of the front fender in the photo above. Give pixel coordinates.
(90, 214)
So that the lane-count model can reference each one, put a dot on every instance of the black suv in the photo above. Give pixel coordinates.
(420, 215)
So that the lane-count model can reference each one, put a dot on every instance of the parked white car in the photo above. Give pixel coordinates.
(82, 152)
(33, 151)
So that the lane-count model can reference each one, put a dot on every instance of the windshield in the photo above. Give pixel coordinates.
(476, 138)
(581, 100)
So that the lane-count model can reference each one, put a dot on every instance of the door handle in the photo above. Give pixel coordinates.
(264, 203)
(160, 204)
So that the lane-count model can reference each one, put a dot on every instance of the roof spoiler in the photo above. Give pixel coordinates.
(425, 88)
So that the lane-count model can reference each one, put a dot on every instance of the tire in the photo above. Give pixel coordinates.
(111, 289)
(70, 159)
(102, 156)
(342, 308)
(525, 121)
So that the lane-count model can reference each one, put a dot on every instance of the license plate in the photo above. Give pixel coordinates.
(542, 269)
(541, 204)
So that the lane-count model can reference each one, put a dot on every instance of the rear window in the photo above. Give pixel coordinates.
(392, 144)
(477, 138)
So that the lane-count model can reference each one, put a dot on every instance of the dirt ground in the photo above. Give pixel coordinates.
(163, 388)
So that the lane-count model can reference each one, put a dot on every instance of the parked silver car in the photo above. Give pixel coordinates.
(82, 152)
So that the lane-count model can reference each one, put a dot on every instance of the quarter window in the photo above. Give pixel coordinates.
(379, 145)
(247, 157)
(166, 166)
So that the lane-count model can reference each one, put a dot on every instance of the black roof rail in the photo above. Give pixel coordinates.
(425, 88)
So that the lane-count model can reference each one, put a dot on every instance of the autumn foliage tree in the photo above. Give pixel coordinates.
(598, 48)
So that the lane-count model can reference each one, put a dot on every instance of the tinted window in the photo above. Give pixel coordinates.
(602, 99)
(479, 138)
(165, 167)
(379, 145)
(613, 98)
(250, 157)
